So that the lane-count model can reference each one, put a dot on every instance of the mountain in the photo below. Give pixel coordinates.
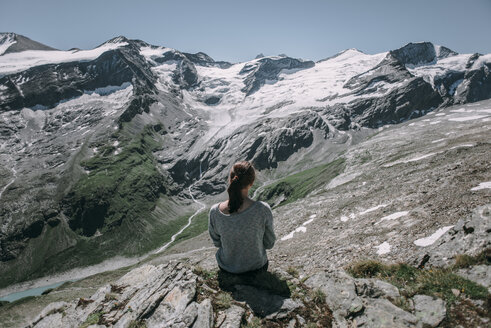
(11, 43)
(105, 152)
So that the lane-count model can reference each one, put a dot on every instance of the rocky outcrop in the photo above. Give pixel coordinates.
(170, 295)
(160, 296)
(372, 302)
(421, 53)
(268, 68)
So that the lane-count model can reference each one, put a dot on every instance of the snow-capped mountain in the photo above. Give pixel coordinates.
(12, 43)
(100, 149)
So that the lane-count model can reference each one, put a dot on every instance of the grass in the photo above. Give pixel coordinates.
(92, 319)
(318, 296)
(292, 271)
(254, 323)
(110, 297)
(299, 185)
(223, 300)
(465, 261)
(411, 281)
(137, 324)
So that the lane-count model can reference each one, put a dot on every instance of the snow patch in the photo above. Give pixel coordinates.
(107, 90)
(290, 235)
(438, 140)
(373, 209)
(426, 241)
(383, 248)
(466, 118)
(20, 61)
(462, 146)
(393, 216)
(483, 185)
(415, 159)
(5, 42)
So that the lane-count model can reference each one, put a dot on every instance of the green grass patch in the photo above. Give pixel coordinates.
(298, 185)
(437, 282)
(198, 225)
(119, 187)
(92, 319)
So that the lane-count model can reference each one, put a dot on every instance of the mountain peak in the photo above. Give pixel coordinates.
(117, 39)
(11, 42)
(345, 51)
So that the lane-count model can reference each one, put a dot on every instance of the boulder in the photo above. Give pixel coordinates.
(382, 313)
(340, 291)
(376, 288)
(430, 310)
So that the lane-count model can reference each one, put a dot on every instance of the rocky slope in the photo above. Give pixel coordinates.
(103, 150)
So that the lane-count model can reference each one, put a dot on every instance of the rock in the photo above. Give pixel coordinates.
(431, 311)
(160, 296)
(292, 323)
(49, 311)
(480, 274)
(382, 313)
(268, 68)
(233, 317)
(205, 315)
(340, 292)
(376, 288)
(456, 292)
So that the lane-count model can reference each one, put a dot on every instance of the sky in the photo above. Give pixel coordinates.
(237, 31)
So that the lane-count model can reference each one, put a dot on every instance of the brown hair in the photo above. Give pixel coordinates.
(241, 175)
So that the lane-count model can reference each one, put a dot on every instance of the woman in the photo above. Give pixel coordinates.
(240, 227)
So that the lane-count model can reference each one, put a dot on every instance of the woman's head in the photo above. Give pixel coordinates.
(242, 175)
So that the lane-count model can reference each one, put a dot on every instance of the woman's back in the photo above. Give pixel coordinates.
(242, 237)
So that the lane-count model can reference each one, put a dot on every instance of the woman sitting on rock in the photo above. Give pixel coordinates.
(240, 227)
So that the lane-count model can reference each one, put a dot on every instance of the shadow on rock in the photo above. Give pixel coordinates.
(264, 292)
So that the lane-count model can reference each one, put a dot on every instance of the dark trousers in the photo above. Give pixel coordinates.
(261, 269)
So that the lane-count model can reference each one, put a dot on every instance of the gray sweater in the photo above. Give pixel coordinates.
(242, 238)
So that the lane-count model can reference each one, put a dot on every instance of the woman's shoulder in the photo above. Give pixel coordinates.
(263, 205)
(213, 208)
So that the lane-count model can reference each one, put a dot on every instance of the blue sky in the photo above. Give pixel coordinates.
(239, 30)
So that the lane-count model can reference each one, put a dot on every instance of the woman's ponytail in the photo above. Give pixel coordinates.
(242, 175)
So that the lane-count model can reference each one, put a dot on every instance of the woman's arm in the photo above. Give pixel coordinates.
(215, 237)
(269, 236)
